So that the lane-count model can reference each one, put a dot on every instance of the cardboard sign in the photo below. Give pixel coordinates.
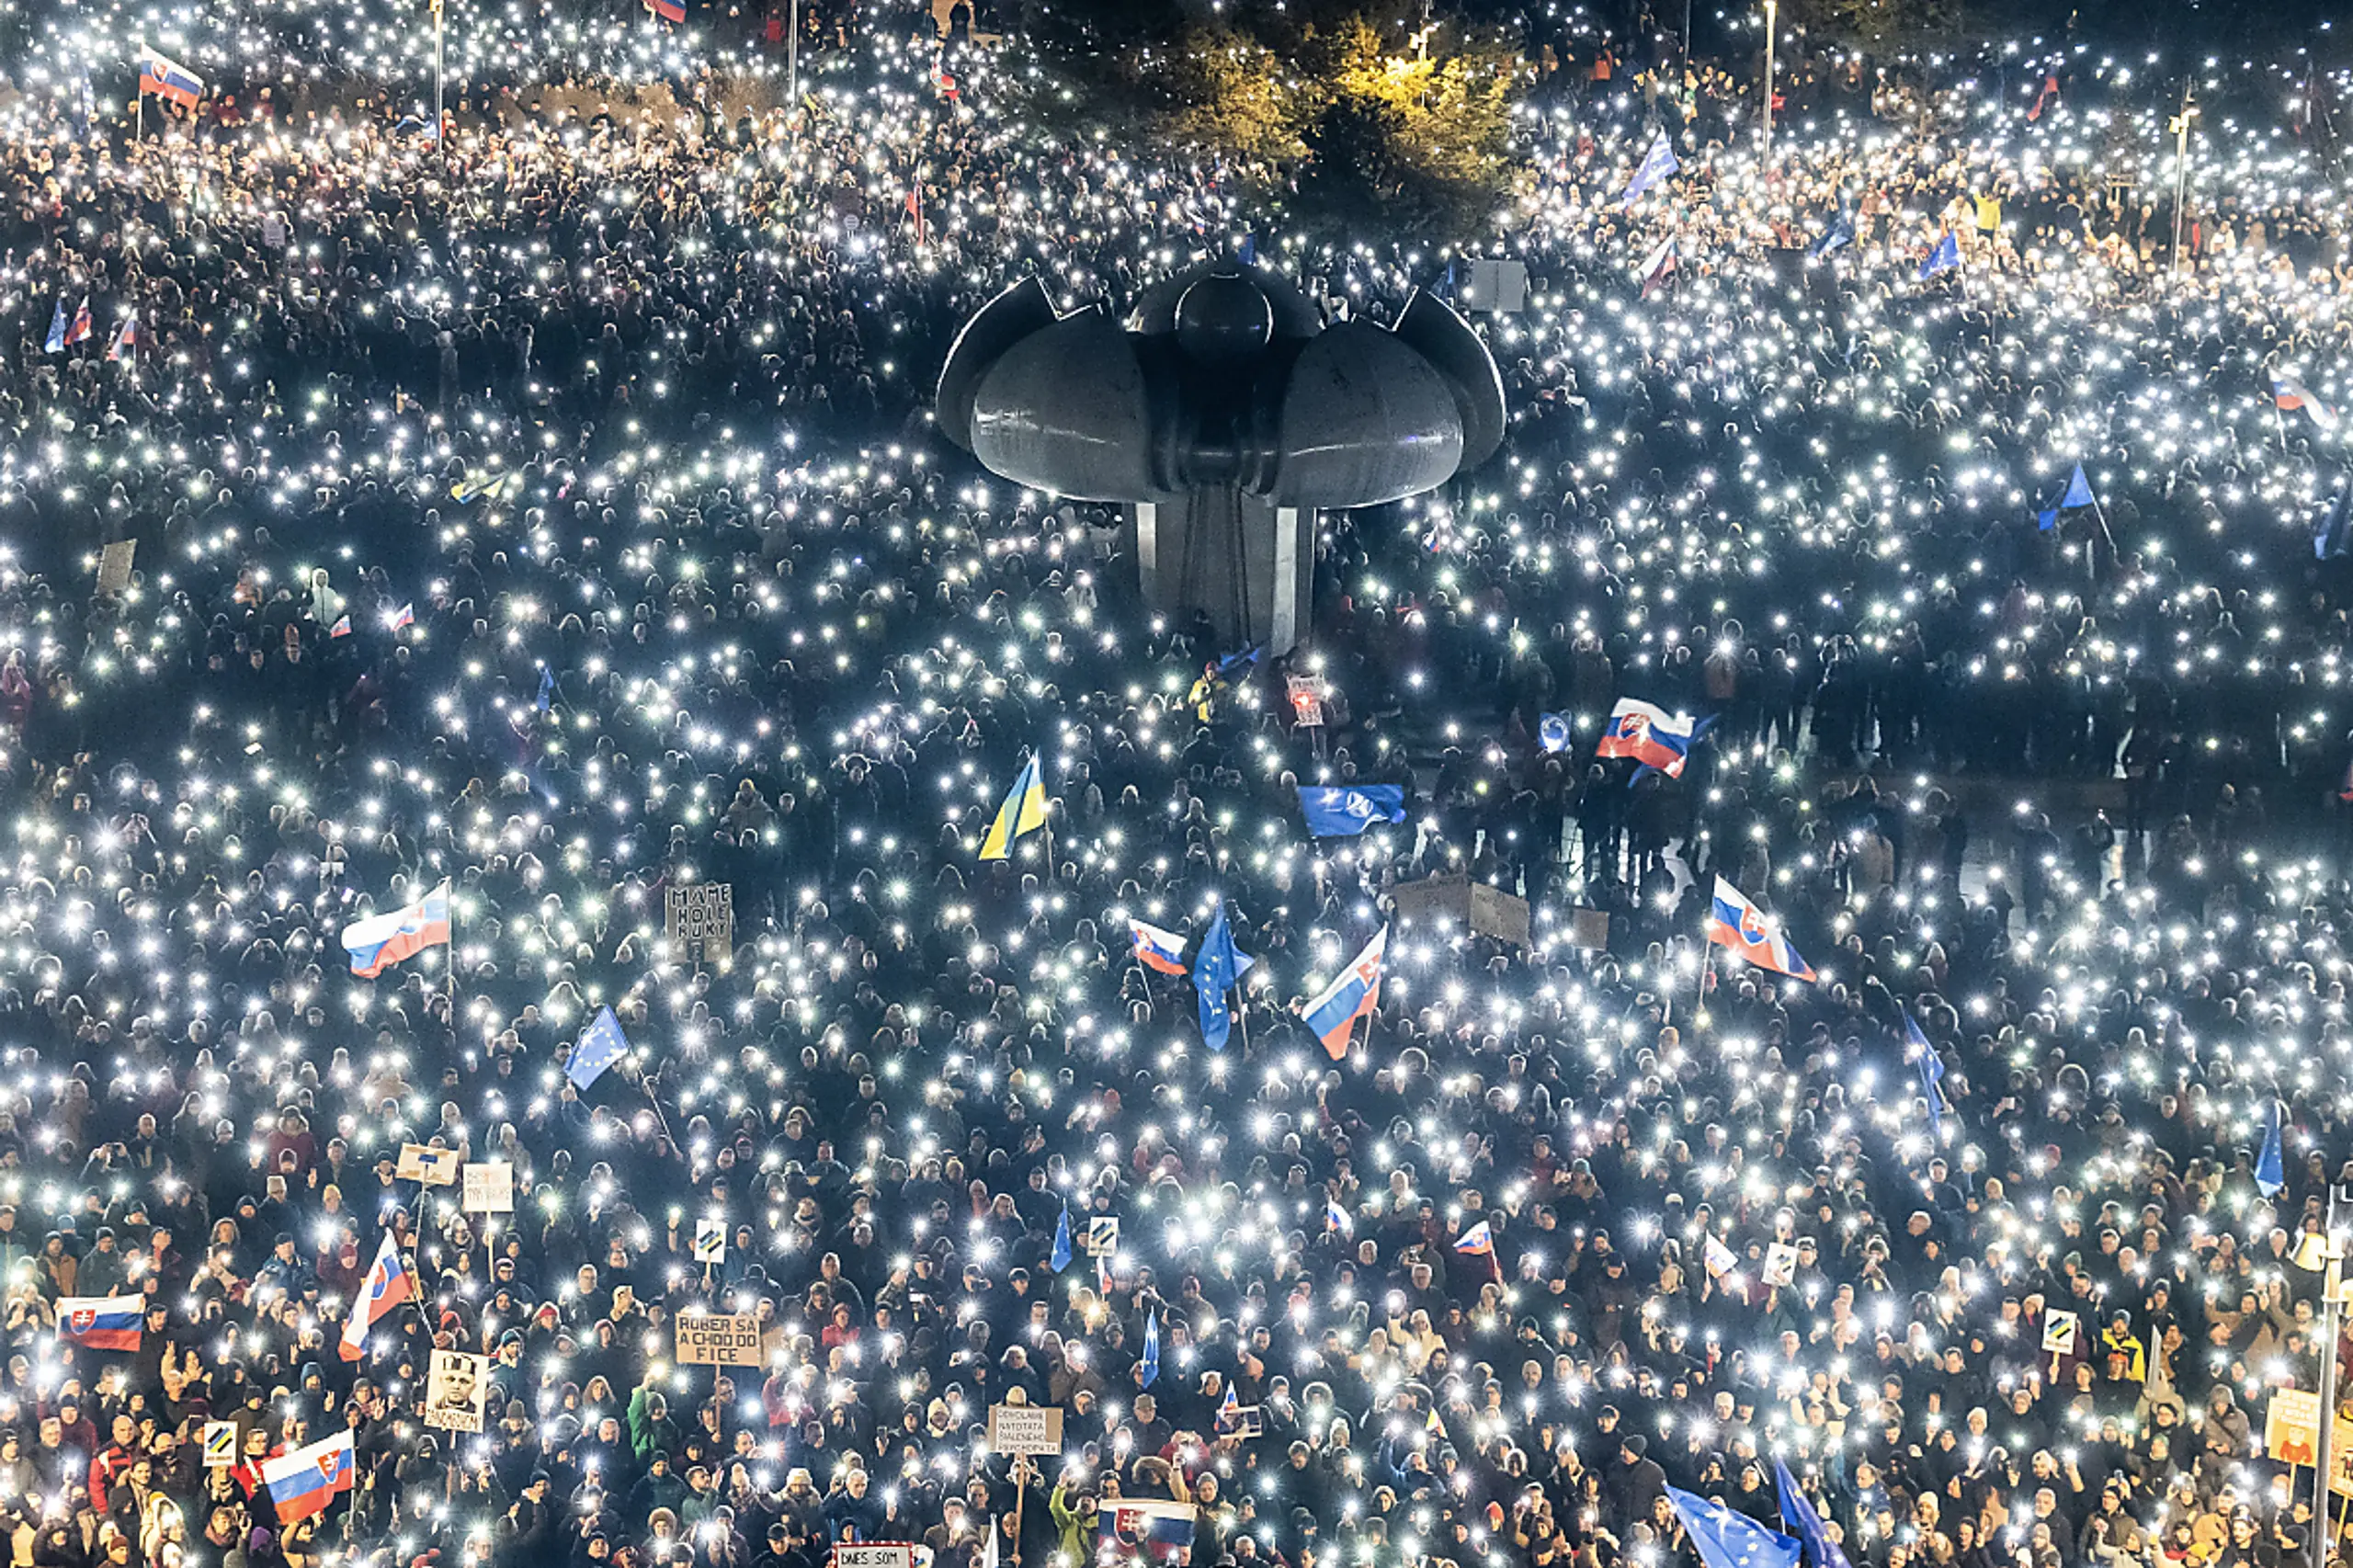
(2340, 1459)
(2292, 1426)
(873, 1554)
(457, 1390)
(711, 1241)
(698, 921)
(434, 1167)
(1024, 1429)
(718, 1339)
(1102, 1235)
(490, 1187)
(220, 1445)
(1780, 1264)
(1243, 1421)
(2059, 1333)
(114, 566)
(1306, 701)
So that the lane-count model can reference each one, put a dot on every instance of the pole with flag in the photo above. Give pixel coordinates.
(1799, 1518)
(2270, 1167)
(1726, 1539)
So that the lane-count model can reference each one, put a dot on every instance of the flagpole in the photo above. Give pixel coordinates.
(440, 141)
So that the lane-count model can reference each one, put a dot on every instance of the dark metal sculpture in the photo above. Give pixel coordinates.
(1223, 413)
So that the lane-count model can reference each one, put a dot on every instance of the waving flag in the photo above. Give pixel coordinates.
(1836, 238)
(382, 941)
(101, 1323)
(1155, 948)
(1148, 1368)
(1339, 810)
(1024, 809)
(2333, 535)
(1651, 735)
(2288, 395)
(1552, 733)
(1354, 992)
(1663, 261)
(601, 1045)
(389, 1283)
(1799, 1518)
(1932, 1073)
(164, 78)
(2270, 1170)
(1726, 1539)
(342, 628)
(1218, 967)
(2077, 493)
(1060, 1258)
(1479, 1241)
(1944, 258)
(80, 331)
(1145, 1528)
(303, 1483)
(670, 11)
(402, 617)
(1338, 1219)
(127, 340)
(56, 343)
(1736, 923)
(1657, 165)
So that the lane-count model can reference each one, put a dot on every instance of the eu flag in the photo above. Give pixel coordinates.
(2332, 536)
(601, 1044)
(56, 343)
(547, 687)
(1060, 1258)
(1944, 258)
(1216, 968)
(1657, 165)
(1726, 1539)
(1552, 733)
(1148, 1369)
(1799, 1519)
(1343, 811)
(1932, 1074)
(2270, 1172)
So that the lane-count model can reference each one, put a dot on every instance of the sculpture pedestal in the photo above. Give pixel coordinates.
(1246, 563)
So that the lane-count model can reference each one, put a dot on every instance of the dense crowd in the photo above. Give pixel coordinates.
(556, 514)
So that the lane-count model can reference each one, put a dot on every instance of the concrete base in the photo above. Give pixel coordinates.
(1248, 564)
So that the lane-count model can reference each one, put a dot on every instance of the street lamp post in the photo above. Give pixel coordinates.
(1772, 12)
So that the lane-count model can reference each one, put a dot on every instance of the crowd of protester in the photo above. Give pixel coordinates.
(555, 512)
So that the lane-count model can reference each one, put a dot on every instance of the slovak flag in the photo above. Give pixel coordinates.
(1650, 735)
(405, 616)
(101, 1323)
(389, 1283)
(2288, 395)
(1354, 992)
(670, 11)
(303, 1483)
(127, 340)
(1736, 923)
(1662, 262)
(164, 78)
(384, 939)
(1155, 948)
(1476, 1242)
(80, 331)
(342, 627)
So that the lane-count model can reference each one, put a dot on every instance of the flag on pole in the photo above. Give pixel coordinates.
(1218, 967)
(1060, 1258)
(382, 941)
(56, 343)
(165, 78)
(1345, 810)
(1148, 1369)
(389, 1283)
(1836, 238)
(2288, 395)
(1734, 923)
(306, 1480)
(80, 331)
(127, 340)
(1799, 1518)
(1479, 1241)
(1651, 735)
(2077, 493)
(1944, 258)
(1663, 261)
(1657, 165)
(671, 11)
(1024, 809)
(2270, 1169)
(1727, 1540)
(1155, 948)
(1353, 991)
(1932, 1073)
(601, 1045)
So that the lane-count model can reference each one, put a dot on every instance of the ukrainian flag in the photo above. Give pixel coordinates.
(1024, 809)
